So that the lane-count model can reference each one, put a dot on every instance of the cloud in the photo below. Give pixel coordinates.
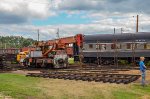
(79, 5)
(49, 32)
(104, 16)
(98, 25)
(24, 11)
(10, 18)
(21, 11)
(106, 5)
(116, 1)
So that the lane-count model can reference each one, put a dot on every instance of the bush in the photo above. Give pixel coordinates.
(122, 62)
(71, 61)
(147, 63)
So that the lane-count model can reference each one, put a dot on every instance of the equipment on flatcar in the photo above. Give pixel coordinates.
(52, 53)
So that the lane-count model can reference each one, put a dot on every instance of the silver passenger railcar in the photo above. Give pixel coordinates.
(105, 48)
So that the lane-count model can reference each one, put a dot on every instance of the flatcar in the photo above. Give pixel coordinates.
(9, 51)
(1, 62)
(105, 48)
(9, 54)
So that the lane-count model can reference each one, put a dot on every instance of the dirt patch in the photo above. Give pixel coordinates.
(57, 88)
(146, 97)
(5, 97)
(25, 72)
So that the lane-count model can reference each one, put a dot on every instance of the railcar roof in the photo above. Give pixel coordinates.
(117, 36)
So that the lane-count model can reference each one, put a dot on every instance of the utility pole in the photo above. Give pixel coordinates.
(5, 45)
(38, 35)
(115, 50)
(57, 33)
(114, 30)
(1, 45)
(121, 30)
(137, 24)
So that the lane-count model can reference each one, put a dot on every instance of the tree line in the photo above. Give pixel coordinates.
(15, 42)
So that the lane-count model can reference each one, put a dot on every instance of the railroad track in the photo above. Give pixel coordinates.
(87, 76)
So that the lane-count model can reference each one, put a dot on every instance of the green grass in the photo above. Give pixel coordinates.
(120, 94)
(135, 91)
(21, 87)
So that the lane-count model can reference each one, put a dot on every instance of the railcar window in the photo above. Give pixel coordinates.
(98, 46)
(128, 46)
(90, 46)
(134, 46)
(113, 46)
(119, 46)
(103, 47)
(146, 46)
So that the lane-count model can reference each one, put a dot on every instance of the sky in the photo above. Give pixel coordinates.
(25, 17)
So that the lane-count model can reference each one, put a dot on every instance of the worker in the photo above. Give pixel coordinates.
(142, 70)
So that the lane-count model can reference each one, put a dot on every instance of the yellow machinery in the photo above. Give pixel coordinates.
(22, 55)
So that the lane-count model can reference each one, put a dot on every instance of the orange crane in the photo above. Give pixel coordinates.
(54, 53)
